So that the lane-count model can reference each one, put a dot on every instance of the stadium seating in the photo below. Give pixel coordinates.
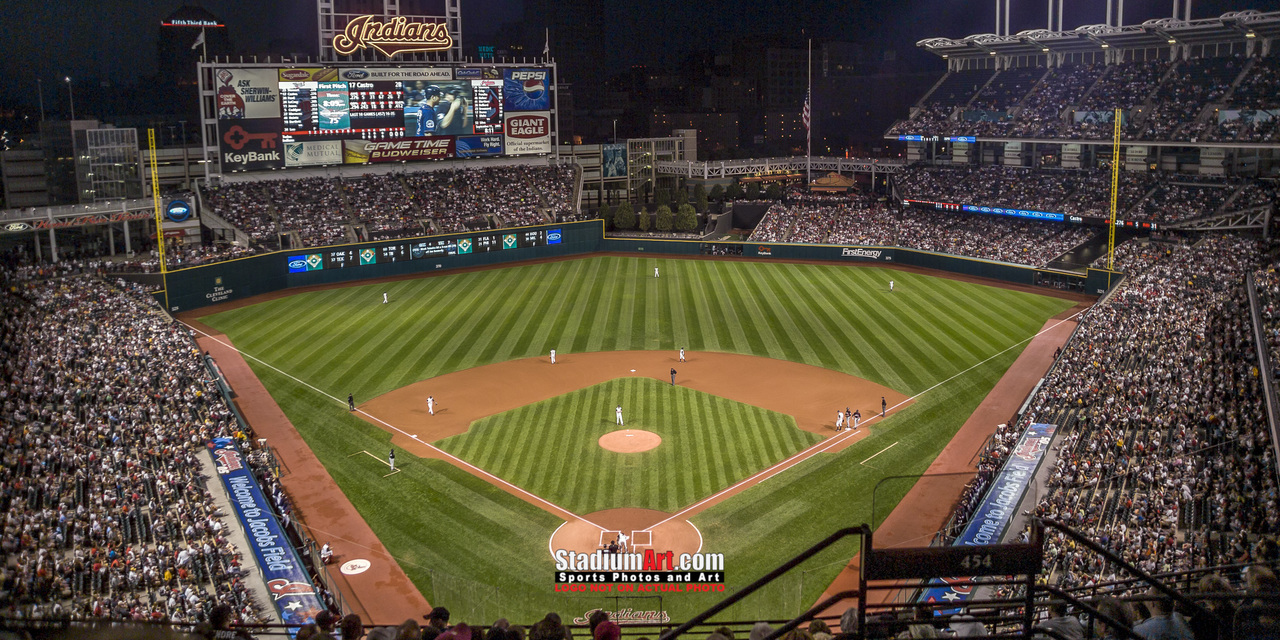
(1163, 101)
(107, 408)
(324, 211)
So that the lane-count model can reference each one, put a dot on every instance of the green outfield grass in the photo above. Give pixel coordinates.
(716, 442)
(480, 550)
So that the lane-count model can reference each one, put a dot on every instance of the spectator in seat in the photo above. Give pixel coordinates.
(1163, 623)
(437, 623)
(1117, 610)
(1216, 625)
(1065, 625)
(819, 630)
(550, 628)
(602, 628)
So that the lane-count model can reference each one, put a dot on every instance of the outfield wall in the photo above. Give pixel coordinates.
(242, 278)
(204, 285)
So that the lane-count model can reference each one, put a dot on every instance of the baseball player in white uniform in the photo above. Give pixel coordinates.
(655, 272)
(622, 540)
(553, 356)
(891, 285)
(431, 405)
(618, 412)
(384, 297)
(681, 354)
(839, 420)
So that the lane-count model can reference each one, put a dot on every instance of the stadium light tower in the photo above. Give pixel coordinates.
(71, 96)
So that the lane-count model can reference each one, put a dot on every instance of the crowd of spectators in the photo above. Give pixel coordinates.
(1158, 197)
(1158, 396)
(865, 222)
(323, 210)
(1162, 100)
(106, 407)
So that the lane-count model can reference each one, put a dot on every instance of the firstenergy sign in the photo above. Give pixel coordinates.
(393, 37)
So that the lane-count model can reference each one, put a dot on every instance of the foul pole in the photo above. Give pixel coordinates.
(155, 196)
(808, 126)
(1115, 194)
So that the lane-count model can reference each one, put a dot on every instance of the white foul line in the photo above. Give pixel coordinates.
(879, 452)
(833, 441)
(459, 461)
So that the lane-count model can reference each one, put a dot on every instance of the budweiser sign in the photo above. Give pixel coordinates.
(393, 37)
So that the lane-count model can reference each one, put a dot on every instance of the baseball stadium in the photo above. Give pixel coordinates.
(404, 364)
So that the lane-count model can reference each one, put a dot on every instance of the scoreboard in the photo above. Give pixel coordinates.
(346, 257)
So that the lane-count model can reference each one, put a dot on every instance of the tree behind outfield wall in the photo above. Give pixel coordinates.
(700, 198)
(624, 217)
(666, 220)
(606, 214)
(753, 191)
(686, 218)
(663, 197)
(717, 193)
(774, 192)
(682, 197)
(643, 221)
(734, 192)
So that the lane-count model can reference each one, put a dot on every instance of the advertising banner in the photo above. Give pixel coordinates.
(1247, 116)
(245, 93)
(1099, 117)
(365, 151)
(527, 89)
(613, 161)
(250, 145)
(478, 146)
(310, 154)
(528, 133)
(313, 74)
(292, 593)
(992, 517)
(425, 74)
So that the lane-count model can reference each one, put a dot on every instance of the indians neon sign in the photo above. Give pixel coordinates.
(393, 37)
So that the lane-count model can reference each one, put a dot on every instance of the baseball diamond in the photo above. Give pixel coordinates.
(511, 455)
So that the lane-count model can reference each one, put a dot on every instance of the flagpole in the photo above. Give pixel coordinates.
(808, 133)
(204, 46)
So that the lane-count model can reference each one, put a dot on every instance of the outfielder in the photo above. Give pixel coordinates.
(891, 285)
(618, 412)
(431, 405)
(655, 272)
(384, 297)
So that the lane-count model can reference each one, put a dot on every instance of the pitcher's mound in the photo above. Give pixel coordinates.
(630, 441)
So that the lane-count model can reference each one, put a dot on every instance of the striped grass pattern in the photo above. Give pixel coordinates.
(708, 443)
(470, 546)
(346, 341)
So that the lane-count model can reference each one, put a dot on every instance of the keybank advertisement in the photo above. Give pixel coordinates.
(993, 515)
(287, 581)
(250, 145)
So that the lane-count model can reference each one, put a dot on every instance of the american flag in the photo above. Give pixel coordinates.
(805, 114)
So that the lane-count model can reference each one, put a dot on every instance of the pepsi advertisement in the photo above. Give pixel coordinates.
(527, 89)
(292, 593)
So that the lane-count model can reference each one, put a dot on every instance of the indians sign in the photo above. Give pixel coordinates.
(393, 37)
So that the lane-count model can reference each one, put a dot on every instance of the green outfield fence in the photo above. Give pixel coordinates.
(200, 286)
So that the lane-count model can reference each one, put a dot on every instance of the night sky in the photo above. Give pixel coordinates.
(116, 39)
